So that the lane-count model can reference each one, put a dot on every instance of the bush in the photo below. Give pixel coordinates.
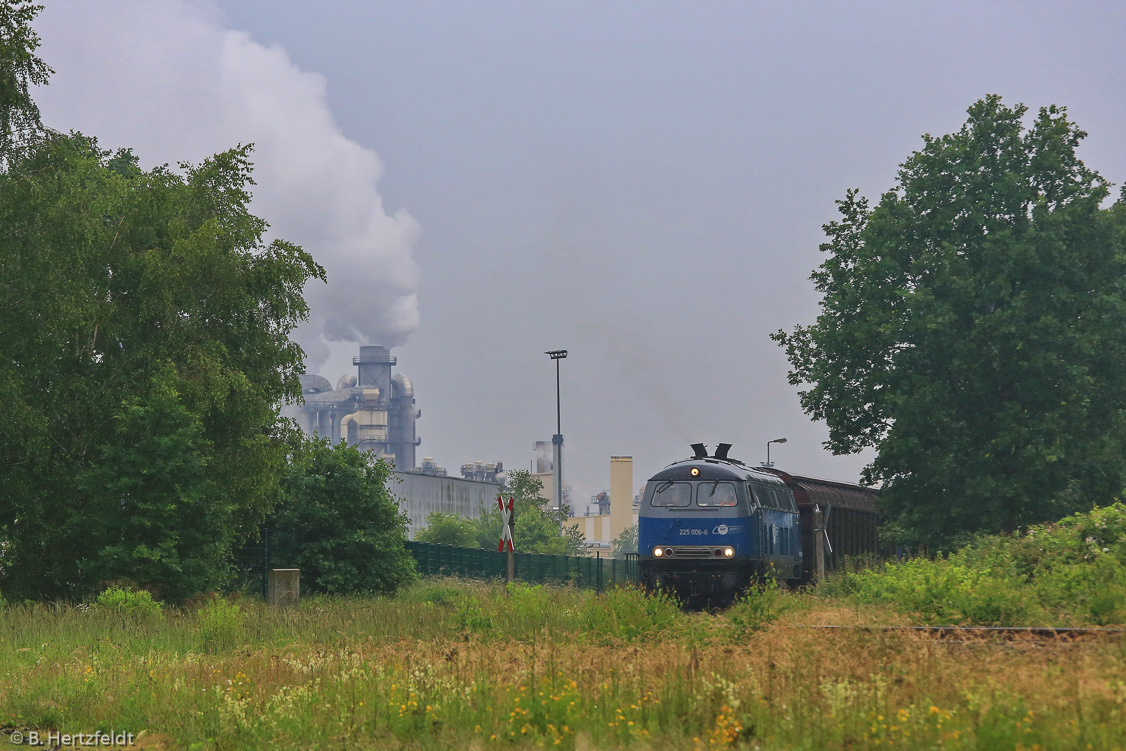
(433, 592)
(221, 623)
(448, 529)
(340, 524)
(756, 607)
(628, 614)
(130, 602)
(1072, 572)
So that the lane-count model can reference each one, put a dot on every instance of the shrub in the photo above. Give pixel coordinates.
(1071, 572)
(340, 524)
(448, 529)
(129, 601)
(627, 614)
(444, 593)
(221, 623)
(471, 616)
(756, 607)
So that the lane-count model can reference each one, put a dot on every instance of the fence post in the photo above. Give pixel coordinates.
(266, 562)
(818, 543)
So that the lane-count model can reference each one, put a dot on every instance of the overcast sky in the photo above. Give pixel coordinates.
(642, 184)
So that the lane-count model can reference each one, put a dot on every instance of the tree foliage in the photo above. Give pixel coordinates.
(536, 530)
(624, 543)
(20, 69)
(973, 330)
(339, 523)
(449, 529)
(145, 329)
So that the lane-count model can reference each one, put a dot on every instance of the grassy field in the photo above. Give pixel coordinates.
(453, 665)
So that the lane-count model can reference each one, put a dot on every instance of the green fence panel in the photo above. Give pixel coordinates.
(475, 563)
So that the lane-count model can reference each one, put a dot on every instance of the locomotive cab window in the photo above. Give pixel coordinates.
(670, 493)
(716, 493)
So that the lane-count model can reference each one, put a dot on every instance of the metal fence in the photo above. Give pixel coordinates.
(473, 563)
(253, 561)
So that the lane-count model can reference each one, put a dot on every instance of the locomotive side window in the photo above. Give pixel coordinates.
(785, 500)
(764, 496)
(670, 493)
(755, 494)
(716, 494)
(768, 496)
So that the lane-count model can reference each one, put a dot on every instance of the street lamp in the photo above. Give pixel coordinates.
(776, 440)
(557, 439)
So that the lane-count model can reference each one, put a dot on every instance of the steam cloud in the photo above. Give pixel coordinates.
(167, 79)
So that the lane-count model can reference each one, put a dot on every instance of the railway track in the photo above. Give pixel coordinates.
(944, 631)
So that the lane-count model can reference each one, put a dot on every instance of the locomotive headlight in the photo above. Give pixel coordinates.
(729, 552)
(658, 552)
(695, 472)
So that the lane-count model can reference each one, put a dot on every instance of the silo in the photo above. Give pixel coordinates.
(401, 438)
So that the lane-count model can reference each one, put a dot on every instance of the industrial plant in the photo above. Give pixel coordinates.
(373, 410)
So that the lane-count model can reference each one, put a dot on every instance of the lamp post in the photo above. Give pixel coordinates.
(557, 439)
(776, 440)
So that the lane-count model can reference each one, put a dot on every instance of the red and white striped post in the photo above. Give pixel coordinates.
(507, 524)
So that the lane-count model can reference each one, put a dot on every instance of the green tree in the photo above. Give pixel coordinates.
(536, 530)
(339, 523)
(20, 69)
(624, 543)
(448, 529)
(151, 508)
(973, 331)
(146, 351)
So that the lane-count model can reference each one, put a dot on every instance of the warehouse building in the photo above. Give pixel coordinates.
(422, 494)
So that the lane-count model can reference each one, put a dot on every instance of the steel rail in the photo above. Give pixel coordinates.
(985, 630)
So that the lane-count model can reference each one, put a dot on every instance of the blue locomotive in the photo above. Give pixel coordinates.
(709, 526)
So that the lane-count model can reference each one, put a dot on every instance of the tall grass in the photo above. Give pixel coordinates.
(456, 665)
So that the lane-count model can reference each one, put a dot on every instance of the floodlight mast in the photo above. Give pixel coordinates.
(557, 439)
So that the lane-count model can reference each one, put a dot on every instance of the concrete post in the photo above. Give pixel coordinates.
(285, 587)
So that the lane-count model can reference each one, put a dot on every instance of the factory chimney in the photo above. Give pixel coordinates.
(375, 364)
(621, 495)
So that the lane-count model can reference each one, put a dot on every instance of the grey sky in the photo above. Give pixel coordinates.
(642, 184)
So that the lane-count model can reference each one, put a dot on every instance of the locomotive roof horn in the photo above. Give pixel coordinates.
(721, 450)
(700, 451)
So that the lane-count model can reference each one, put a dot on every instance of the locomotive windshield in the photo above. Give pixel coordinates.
(667, 493)
(716, 493)
(672, 494)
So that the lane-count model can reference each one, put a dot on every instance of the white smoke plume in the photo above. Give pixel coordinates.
(169, 80)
